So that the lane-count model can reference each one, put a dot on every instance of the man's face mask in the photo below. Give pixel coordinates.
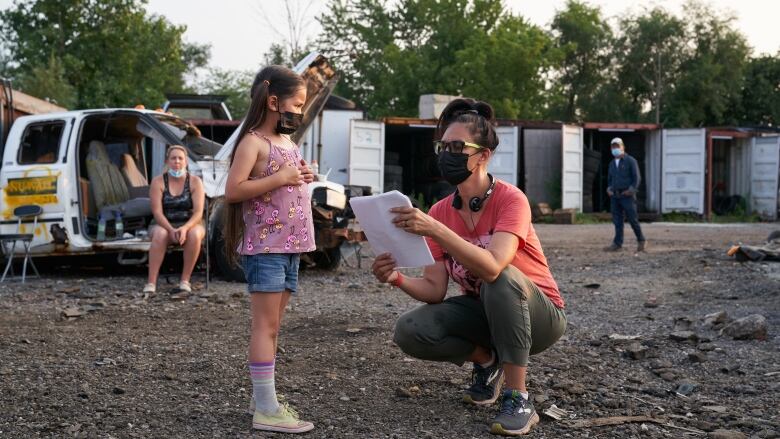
(616, 152)
(454, 165)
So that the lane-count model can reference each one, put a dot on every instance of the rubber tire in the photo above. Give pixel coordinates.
(328, 259)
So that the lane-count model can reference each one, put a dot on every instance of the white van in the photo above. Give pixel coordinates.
(90, 170)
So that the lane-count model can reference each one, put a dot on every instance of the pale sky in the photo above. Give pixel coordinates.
(239, 35)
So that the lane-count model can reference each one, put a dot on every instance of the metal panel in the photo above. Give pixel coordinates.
(503, 164)
(764, 165)
(571, 180)
(367, 154)
(542, 161)
(652, 174)
(683, 170)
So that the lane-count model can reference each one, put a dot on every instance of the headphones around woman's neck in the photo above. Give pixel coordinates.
(475, 203)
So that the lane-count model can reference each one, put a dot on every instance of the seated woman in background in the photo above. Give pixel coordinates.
(177, 200)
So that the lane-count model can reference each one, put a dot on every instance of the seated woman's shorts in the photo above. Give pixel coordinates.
(271, 272)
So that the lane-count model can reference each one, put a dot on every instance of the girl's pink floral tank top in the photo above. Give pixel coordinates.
(278, 221)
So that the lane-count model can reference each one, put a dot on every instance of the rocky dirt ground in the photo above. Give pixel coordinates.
(637, 344)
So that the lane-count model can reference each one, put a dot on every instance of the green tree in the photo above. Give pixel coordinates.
(111, 51)
(48, 82)
(760, 102)
(711, 78)
(235, 84)
(391, 53)
(583, 38)
(504, 67)
(650, 52)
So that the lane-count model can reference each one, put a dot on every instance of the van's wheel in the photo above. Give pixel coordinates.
(228, 272)
(327, 259)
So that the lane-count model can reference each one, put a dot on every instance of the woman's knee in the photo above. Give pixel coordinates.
(405, 333)
(196, 233)
(412, 334)
(160, 235)
(509, 287)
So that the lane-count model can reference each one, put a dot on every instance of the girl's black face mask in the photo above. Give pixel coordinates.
(289, 122)
(454, 166)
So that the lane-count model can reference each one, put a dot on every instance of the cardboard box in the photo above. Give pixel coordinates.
(87, 198)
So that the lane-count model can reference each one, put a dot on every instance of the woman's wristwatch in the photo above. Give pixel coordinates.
(398, 280)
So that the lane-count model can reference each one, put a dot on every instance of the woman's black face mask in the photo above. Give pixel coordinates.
(454, 166)
(289, 122)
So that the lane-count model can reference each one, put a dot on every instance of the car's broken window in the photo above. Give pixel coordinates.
(41, 143)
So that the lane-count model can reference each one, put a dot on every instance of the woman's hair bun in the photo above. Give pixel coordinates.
(484, 109)
(477, 114)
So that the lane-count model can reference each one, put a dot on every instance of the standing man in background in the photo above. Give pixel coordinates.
(622, 183)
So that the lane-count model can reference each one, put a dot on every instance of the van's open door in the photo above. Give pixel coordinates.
(367, 154)
(764, 165)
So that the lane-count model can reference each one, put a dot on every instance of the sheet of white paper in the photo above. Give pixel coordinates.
(373, 214)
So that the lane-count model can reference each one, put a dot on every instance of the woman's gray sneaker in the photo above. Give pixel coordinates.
(516, 417)
(486, 384)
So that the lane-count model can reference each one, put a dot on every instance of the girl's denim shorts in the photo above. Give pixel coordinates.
(271, 272)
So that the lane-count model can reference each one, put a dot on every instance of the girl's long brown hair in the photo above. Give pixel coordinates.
(276, 81)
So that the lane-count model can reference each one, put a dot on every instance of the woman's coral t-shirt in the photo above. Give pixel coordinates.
(507, 210)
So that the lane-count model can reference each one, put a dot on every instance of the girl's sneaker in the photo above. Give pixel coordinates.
(285, 420)
(185, 286)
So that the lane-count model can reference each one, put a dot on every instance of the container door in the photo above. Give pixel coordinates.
(503, 164)
(764, 165)
(367, 154)
(572, 168)
(682, 182)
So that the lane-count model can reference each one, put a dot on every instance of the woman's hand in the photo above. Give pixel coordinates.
(290, 175)
(414, 221)
(180, 235)
(384, 268)
(306, 172)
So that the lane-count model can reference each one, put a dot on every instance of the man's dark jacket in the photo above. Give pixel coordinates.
(624, 176)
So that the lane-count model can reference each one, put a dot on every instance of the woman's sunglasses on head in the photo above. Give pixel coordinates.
(454, 146)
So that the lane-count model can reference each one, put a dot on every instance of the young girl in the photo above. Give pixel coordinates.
(270, 224)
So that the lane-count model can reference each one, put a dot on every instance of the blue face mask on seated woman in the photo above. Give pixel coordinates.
(176, 173)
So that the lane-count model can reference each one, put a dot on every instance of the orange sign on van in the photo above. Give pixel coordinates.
(31, 190)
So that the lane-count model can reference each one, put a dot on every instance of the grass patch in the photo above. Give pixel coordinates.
(682, 217)
(590, 218)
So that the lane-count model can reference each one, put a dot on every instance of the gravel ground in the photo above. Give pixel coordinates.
(125, 367)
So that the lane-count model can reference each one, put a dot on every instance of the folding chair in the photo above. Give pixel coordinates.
(8, 241)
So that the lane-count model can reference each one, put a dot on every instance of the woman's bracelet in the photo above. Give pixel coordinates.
(398, 280)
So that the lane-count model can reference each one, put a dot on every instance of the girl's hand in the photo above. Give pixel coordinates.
(290, 175)
(384, 268)
(306, 172)
(414, 221)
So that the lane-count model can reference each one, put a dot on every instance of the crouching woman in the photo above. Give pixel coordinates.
(482, 238)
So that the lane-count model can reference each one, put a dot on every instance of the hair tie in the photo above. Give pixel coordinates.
(265, 81)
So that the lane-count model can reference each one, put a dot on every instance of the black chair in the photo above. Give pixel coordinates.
(8, 241)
